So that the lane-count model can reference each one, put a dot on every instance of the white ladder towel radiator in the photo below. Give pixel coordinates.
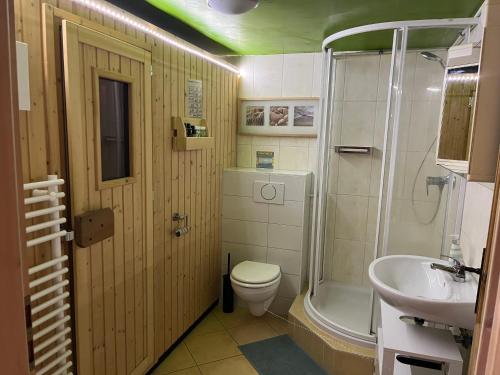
(49, 303)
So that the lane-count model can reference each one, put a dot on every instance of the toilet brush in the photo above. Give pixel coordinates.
(227, 290)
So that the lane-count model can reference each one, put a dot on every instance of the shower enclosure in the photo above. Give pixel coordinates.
(378, 189)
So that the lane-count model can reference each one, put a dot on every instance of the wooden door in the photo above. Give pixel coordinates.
(113, 278)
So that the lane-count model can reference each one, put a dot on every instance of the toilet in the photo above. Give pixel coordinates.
(256, 284)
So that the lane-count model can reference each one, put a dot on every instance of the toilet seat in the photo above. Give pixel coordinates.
(255, 275)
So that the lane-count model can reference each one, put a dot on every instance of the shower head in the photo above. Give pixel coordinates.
(433, 57)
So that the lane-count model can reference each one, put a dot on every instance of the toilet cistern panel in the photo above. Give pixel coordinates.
(268, 192)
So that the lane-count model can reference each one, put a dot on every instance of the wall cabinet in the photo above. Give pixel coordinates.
(469, 135)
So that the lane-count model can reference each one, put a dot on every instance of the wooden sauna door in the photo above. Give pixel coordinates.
(113, 281)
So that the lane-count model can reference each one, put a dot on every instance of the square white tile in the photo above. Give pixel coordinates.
(289, 286)
(244, 156)
(354, 174)
(362, 74)
(290, 213)
(240, 183)
(245, 232)
(285, 237)
(298, 70)
(350, 218)
(294, 185)
(268, 76)
(348, 261)
(293, 158)
(244, 208)
(288, 260)
(358, 122)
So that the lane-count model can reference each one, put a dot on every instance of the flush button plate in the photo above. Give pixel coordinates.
(269, 192)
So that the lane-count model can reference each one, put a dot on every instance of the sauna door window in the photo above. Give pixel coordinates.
(114, 128)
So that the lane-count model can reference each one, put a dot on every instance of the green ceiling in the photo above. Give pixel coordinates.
(290, 26)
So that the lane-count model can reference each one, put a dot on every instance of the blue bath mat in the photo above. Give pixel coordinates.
(280, 356)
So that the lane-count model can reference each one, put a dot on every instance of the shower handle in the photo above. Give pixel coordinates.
(439, 181)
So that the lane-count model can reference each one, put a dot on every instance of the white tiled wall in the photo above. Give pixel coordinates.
(291, 75)
(361, 89)
(475, 222)
(268, 233)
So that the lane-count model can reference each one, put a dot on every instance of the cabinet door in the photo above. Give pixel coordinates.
(456, 120)
(107, 89)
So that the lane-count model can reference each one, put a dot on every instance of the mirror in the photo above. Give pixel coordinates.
(458, 112)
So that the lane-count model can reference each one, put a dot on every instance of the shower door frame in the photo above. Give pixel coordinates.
(318, 231)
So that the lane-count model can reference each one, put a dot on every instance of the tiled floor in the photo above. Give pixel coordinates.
(212, 347)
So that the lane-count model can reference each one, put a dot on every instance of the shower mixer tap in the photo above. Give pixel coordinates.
(439, 181)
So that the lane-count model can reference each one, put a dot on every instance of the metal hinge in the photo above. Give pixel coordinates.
(151, 70)
(70, 236)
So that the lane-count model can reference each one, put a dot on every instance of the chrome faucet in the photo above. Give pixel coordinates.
(457, 270)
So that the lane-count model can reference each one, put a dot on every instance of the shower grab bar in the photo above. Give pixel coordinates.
(364, 150)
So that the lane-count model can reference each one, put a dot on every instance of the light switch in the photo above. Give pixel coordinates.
(268, 192)
(23, 76)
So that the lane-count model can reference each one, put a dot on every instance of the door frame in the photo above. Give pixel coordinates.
(485, 354)
(13, 340)
(72, 94)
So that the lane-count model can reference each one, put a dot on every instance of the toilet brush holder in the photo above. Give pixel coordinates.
(227, 289)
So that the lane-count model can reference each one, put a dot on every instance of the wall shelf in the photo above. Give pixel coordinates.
(181, 142)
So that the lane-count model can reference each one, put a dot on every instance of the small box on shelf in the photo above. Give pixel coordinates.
(191, 134)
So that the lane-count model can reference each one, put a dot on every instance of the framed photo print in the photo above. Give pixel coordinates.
(297, 117)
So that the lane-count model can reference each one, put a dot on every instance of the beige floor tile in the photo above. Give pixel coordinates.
(239, 317)
(252, 332)
(280, 325)
(188, 371)
(208, 325)
(212, 347)
(232, 366)
(179, 359)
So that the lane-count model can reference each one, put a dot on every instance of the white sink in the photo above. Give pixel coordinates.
(410, 284)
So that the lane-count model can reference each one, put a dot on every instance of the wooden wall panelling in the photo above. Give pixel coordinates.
(186, 269)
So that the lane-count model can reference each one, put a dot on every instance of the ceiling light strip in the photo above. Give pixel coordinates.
(119, 16)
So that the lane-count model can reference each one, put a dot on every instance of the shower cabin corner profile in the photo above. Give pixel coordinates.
(344, 309)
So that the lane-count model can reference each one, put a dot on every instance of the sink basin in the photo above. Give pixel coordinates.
(409, 284)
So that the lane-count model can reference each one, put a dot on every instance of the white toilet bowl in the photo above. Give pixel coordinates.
(256, 284)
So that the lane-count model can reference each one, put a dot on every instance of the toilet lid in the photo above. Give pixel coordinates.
(255, 273)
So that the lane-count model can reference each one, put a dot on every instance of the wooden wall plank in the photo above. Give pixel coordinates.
(175, 200)
(159, 197)
(167, 174)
